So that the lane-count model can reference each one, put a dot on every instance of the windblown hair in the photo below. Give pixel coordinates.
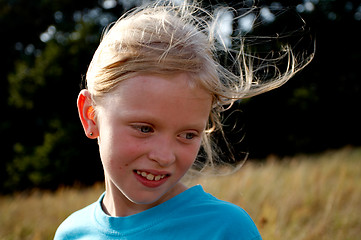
(166, 38)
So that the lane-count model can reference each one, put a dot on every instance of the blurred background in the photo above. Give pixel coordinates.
(46, 47)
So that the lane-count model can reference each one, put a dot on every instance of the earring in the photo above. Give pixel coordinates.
(91, 133)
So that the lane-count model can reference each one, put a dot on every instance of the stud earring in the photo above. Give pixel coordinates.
(91, 133)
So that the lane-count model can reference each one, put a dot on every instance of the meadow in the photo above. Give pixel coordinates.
(305, 197)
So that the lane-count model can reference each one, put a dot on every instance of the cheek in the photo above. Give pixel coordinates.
(189, 155)
(118, 153)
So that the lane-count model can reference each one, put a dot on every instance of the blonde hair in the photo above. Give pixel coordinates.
(165, 38)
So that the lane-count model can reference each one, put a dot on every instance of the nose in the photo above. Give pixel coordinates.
(162, 151)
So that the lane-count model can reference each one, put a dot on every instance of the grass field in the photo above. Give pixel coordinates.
(304, 197)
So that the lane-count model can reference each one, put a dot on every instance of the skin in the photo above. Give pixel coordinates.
(150, 124)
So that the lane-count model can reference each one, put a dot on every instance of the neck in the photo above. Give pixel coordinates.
(116, 204)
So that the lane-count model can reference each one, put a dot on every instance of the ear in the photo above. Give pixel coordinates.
(86, 114)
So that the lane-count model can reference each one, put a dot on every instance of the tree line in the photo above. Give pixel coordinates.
(47, 47)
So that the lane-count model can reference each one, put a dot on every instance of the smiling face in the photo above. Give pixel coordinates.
(150, 130)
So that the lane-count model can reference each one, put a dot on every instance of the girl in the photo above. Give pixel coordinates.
(154, 94)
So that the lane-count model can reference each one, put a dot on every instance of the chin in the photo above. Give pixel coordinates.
(145, 198)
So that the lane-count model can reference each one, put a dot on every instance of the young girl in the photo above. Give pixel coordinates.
(153, 98)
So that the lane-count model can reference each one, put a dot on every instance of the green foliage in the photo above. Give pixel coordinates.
(49, 44)
(27, 80)
(36, 166)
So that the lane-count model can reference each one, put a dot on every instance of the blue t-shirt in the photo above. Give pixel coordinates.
(193, 214)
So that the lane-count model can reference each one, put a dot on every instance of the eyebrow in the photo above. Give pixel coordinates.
(136, 116)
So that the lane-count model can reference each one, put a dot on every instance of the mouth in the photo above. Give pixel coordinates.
(151, 178)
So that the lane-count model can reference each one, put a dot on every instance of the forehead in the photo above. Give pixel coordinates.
(179, 84)
(169, 94)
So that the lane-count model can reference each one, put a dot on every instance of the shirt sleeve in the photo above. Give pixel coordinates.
(235, 223)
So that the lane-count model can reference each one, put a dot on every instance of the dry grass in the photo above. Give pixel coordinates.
(304, 197)
(37, 215)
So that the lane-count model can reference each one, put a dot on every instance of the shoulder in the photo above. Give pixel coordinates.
(211, 205)
(225, 220)
(236, 221)
(76, 224)
(227, 212)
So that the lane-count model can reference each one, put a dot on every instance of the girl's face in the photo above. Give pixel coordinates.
(150, 130)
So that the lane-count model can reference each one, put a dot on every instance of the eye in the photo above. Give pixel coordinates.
(188, 135)
(144, 128)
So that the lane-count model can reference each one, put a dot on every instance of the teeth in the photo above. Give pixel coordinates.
(150, 176)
